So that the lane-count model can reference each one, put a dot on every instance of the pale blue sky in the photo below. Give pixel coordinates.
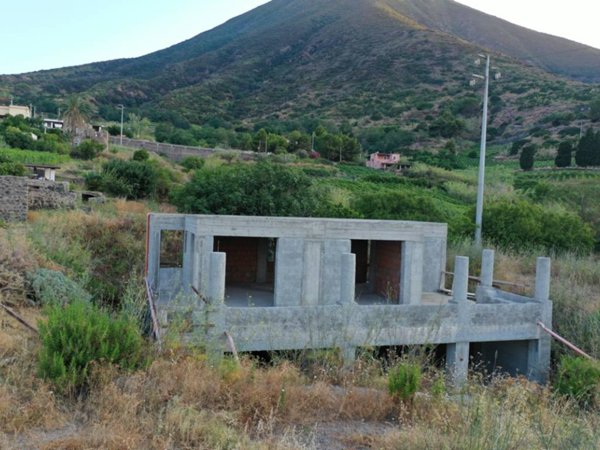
(36, 34)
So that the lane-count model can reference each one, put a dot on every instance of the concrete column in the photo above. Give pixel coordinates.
(411, 277)
(487, 268)
(215, 319)
(216, 287)
(311, 273)
(538, 359)
(542, 279)
(289, 260)
(197, 262)
(188, 261)
(460, 284)
(348, 278)
(457, 363)
(153, 255)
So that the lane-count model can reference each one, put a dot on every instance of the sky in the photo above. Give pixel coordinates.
(38, 34)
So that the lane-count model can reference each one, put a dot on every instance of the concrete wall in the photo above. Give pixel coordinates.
(13, 198)
(177, 152)
(314, 299)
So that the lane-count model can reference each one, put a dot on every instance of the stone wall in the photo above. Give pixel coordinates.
(13, 198)
(44, 194)
(177, 152)
(19, 194)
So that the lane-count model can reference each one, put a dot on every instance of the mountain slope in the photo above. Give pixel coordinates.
(555, 54)
(372, 62)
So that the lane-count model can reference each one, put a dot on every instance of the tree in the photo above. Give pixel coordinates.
(139, 126)
(261, 189)
(527, 157)
(563, 158)
(588, 149)
(75, 118)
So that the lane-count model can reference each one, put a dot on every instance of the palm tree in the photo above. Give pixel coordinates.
(75, 118)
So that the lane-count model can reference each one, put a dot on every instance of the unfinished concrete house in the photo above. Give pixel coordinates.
(277, 283)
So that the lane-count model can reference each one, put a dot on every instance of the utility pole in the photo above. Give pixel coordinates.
(481, 177)
(122, 107)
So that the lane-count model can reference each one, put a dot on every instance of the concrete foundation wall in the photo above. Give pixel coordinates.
(13, 199)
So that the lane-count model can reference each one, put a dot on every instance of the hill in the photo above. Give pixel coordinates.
(371, 63)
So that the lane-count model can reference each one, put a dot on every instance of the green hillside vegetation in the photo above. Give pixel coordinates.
(391, 73)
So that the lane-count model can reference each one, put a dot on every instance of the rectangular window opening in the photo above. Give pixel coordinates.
(249, 270)
(171, 249)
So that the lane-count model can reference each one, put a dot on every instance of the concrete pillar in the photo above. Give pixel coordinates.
(457, 363)
(411, 282)
(289, 260)
(348, 278)
(153, 255)
(216, 287)
(216, 308)
(311, 273)
(487, 268)
(538, 359)
(542, 279)
(460, 284)
(187, 270)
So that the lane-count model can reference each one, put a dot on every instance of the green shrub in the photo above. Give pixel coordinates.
(404, 380)
(579, 378)
(193, 163)
(50, 287)
(12, 168)
(141, 155)
(261, 189)
(79, 335)
(130, 179)
(519, 224)
(88, 149)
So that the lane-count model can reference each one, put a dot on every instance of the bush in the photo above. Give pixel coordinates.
(130, 179)
(526, 159)
(579, 379)
(519, 225)
(79, 335)
(404, 380)
(140, 155)
(12, 168)
(193, 163)
(50, 287)
(261, 189)
(88, 149)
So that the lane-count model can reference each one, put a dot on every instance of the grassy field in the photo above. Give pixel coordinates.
(34, 157)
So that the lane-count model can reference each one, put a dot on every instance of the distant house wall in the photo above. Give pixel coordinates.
(15, 110)
(383, 160)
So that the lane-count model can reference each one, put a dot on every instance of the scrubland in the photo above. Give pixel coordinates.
(180, 399)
